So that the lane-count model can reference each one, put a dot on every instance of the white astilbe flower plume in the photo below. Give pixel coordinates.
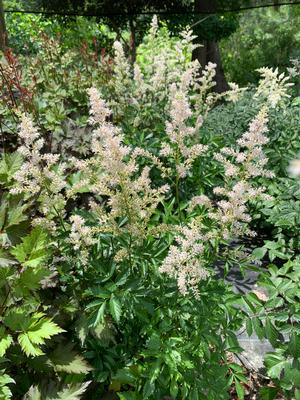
(81, 237)
(273, 87)
(40, 174)
(240, 166)
(113, 172)
(186, 261)
(181, 136)
(229, 216)
(120, 83)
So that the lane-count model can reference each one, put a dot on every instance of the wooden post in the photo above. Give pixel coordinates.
(3, 34)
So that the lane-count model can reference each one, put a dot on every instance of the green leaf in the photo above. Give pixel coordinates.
(148, 389)
(249, 327)
(30, 280)
(65, 359)
(3, 211)
(258, 327)
(268, 393)
(9, 165)
(100, 315)
(174, 388)
(39, 329)
(275, 363)
(124, 376)
(15, 214)
(17, 320)
(34, 249)
(5, 259)
(259, 252)
(69, 392)
(5, 341)
(72, 392)
(5, 392)
(127, 396)
(28, 347)
(239, 389)
(115, 308)
(5, 379)
(294, 345)
(33, 394)
(271, 332)
(42, 328)
(82, 329)
(232, 343)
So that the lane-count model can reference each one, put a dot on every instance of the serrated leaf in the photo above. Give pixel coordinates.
(5, 392)
(28, 347)
(115, 308)
(5, 379)
(82, 329)
(275, 364)
(5, 341)
(34, 249)
(294, 345)
(29, 280)
(258, 327)
(33, 394)
(65, 359)
(17, 320)
(100, 315)
(39, 329)
(271, 332)
(50, 392)
(3, 211)
(15, 216)
(9, 165)
(5, 259)
(72, 392)
(42, 328)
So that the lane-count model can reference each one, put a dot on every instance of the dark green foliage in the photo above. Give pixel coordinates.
(277, 319)
(226, 123)
(266, 37)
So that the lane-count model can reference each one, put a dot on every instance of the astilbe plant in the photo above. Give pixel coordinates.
(130, 257)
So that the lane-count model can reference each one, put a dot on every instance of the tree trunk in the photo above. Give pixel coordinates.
(209, 50)
(3, 35)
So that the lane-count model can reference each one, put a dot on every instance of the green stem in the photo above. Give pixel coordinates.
(177, 185)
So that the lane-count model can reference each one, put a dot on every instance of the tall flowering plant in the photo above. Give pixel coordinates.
(130, 256)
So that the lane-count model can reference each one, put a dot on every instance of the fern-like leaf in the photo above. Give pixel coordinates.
(5, 341)
(28, 347)
(39, 330)
(65, 359)
(72, 392)
(34, 249)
